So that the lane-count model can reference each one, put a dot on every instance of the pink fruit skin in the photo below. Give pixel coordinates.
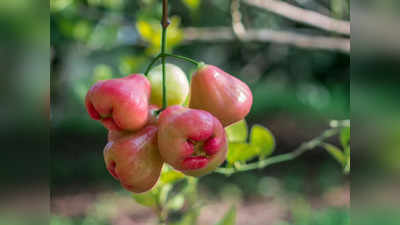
(152, 120)
(192, 141)
(120, 104)
(226, 97)
(134, 159)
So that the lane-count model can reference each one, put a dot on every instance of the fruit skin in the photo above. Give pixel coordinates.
(152, 120)
(120, 104)
(226, 97)
(153, 117)
(192, 141)
(176, 82)
(134, 159)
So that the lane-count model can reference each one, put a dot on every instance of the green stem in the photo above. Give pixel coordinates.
(283, 157)
(152, 64)
(164, 23)
(197, 63)
(164, 85)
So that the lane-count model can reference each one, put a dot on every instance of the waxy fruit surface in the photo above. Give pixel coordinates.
(120, 104)
(226, 97)
(134, 159)
(192, 141)
(176, 83)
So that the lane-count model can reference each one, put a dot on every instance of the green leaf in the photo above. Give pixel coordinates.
(192, 4)
(149, 198)
(263, 139)
(189, 218)
(170, 175)
(335, 152)
(241, 152)
(176, 202)
(345, 136)
(164, 191)
(102, 72)
(229, 218)
(237, 132)
(347, 166)
(347, 154)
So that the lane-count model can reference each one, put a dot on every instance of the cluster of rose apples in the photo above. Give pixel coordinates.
(141, 138)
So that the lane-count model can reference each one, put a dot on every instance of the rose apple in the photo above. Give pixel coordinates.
(134, 159)
(120, 104)
(226, 97)
(176, 82)
(152, 120)
(192, 141)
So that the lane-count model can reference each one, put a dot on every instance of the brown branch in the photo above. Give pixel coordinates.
(302, 15)
(165, 21)
(224, 34)
(237, 25)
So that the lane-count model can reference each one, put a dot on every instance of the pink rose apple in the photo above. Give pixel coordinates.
(226, 97)
(192, 141)
(134, 159)
(120, 104)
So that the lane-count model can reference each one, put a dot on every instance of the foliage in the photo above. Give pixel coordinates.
(261, 143)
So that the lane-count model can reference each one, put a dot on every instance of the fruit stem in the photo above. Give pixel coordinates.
(164, 23)
(283, 157)
(152, 64)
(184, 58)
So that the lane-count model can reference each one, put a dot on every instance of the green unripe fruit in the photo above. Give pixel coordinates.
(176, 82)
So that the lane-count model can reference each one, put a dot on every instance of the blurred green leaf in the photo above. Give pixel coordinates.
(164, 191)
(176, 202)
(348, 159)
(345, 136)
(189, 218)
(263, 139)
(241, 152)
(56, 5)
(130, 64)
(192, 4)
(149, 198)
(82, 30)
(170, 175)
(335, 152)
(102, 72)
(150, 30)
(237, 132)
(229, 218)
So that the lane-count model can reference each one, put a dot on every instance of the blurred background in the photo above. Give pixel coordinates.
(298, 72)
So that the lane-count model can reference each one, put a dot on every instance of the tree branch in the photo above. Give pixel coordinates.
(283, 157)
(302, 15)
(223, 34)
(164, 20)
(237, 25)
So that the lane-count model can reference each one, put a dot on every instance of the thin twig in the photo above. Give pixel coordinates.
(224, 34)
(283, 157)
(155, 59)
(164, 23)
(237, 25)
(302, 15)
(164, 20)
